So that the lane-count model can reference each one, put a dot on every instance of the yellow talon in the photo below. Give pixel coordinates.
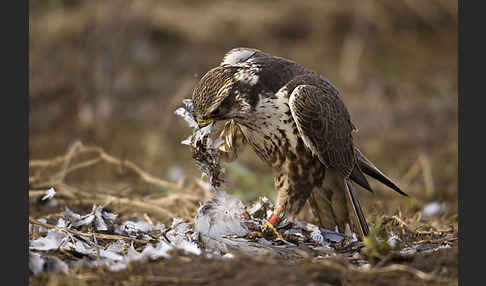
(269, 225)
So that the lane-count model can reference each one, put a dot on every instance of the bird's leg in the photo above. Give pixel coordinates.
(291, 198)
(271, 224)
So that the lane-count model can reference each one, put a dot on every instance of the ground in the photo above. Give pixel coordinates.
(110, 74)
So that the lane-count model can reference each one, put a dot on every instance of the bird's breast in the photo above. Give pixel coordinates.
(274, 136)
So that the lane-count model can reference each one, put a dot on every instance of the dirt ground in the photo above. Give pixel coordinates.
(110, 74)
(252, 270)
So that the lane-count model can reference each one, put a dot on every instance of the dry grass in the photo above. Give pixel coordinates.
(183, 200)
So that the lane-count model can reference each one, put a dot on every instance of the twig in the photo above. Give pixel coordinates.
(149, 207)
(436, 241)
(400, 222)
(78, 148)
(69, 156)
(153, 207)
(62, 189)
(83, 165)
(88, 234)
(36, 193)
(98, 258)
(147, 218)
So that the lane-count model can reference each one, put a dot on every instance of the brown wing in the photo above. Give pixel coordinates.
(324, 124)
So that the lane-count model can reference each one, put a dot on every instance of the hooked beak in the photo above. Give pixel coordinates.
(204, 122)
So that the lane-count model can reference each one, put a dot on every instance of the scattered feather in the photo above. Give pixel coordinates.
(434, 208)
(49, 194)
(228, 256)
(184, 113)
(223, 226)
(36, 263)
(53, 240)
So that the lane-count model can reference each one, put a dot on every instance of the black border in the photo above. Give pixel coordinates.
(471, 121)
(460, 109)
(14, 124)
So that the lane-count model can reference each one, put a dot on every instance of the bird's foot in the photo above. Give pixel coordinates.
(270, 225)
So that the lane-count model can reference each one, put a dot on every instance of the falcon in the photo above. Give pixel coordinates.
(295, 121)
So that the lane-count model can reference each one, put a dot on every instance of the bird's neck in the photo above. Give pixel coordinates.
(271, 130)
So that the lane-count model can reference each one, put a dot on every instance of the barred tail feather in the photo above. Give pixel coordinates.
(361, 223)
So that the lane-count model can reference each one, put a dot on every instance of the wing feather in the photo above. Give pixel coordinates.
(324, 123)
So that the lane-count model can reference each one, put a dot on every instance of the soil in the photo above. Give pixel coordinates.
(249, 270)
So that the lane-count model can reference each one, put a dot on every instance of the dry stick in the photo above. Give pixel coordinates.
(78, 148)
(131, 166)
(98, 258)
(147, 218)
(402, 223)
(83, 165)
(69, 156)
(169, 199)
(35, 193)
(61, 190)
(102, 199)
(436, 230)
(436, 241)
(57, 160)
(47, 163)
(65, 160)
(88, 234)
(134, 203)
(73, 193)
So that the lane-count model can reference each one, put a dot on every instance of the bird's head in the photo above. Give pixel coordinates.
(223, 93)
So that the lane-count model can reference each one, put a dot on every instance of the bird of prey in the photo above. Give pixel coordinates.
(296, 122)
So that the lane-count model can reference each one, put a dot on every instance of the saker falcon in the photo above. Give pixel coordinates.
(296, 121)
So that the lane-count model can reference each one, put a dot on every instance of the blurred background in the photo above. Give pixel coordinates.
(111, 74)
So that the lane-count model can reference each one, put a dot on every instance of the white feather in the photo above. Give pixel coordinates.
(237, 55)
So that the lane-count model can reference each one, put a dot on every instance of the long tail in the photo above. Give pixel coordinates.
(336, 204)
(356, 208)
(364, 165)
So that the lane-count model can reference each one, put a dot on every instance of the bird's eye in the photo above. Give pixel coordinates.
(218, 111)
